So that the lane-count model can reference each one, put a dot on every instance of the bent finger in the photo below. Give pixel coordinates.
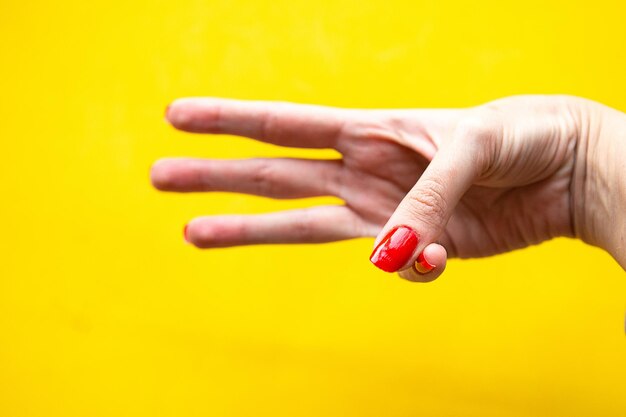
(429, 265)
(424, 212)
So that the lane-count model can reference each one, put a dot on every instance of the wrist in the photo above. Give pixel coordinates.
(598, 183)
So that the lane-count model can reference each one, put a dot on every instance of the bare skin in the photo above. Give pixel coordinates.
(472, 182)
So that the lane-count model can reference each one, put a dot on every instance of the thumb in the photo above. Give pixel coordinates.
(422, 215)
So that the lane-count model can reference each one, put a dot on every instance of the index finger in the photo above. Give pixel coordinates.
(279, 123)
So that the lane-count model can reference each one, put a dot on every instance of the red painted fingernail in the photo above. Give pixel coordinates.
(422, 265)
(395, 249)
(185, 233)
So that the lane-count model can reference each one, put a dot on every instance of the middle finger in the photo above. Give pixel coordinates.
(268, 177)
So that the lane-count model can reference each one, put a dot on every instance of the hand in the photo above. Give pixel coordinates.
(477, 181)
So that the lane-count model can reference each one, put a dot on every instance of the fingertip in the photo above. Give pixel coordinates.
(172, 111)
(208, 232)
(194, 232)
(162, 176)
(429, 266)
(194, 115)
(432, 257)
(179, 113)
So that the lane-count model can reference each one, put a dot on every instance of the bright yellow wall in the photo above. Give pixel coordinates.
(105, 312)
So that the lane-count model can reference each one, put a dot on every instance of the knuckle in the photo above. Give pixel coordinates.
(337, 181)
(480, 128)
(377, 130)
(304, 227)
(428, 203)
(264, 178)
(271, 121)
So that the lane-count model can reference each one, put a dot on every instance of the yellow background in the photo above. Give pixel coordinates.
(104, 311)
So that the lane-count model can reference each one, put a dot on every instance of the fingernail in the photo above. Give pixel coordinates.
(167, 110)
(185, 233)
(422, 265)
(395, 249)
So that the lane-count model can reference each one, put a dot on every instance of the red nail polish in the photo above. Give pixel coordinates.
(185, 233)
(422, 265)
(395, 249)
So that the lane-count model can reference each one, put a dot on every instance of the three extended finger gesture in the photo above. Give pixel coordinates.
(476, 181)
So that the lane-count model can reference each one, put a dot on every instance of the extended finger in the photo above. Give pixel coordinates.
(269, 177)
(285, 124)
(312, 225)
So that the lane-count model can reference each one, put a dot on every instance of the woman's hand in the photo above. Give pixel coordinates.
(477, 181)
